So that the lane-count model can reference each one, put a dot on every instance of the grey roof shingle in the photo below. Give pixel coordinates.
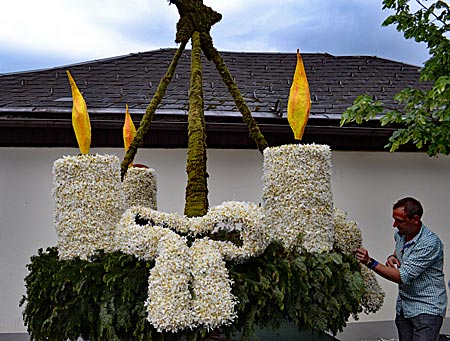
(264, 80)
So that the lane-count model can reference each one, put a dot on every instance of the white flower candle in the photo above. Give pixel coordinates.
(140, 187)
(297, 196)
(88, 203)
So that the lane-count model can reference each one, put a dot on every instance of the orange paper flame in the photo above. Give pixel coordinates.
(299, 103)
(80, 118)
(129, 130)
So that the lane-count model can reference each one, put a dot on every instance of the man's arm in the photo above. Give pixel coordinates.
(388, 272)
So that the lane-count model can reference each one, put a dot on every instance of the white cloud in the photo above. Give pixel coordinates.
(81, 30)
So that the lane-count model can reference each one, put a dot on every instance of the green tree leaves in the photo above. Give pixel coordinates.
(425, 118)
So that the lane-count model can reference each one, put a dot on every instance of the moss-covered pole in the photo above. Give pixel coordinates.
(196, 201)
(150, 110)
(211, 53)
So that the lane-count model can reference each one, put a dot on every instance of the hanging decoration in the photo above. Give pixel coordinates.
(123, 270)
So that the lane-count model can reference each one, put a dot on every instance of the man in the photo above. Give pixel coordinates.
(417, 267)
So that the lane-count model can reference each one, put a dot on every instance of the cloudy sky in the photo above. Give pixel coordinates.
(37, 34)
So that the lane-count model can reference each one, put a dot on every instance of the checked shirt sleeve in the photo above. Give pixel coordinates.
(420, 256)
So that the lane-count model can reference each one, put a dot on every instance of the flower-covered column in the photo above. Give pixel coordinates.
(140, 187)
(89, 203)
(297, 196)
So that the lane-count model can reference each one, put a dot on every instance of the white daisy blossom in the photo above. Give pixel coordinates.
(140, 187)
(297, 196)
(88, 203)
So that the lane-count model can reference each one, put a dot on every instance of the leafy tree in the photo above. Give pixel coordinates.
(425, 117)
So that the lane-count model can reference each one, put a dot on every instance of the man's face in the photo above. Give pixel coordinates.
(404, 224)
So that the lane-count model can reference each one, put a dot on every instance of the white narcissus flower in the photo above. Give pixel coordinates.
(140, 187)
(190, 286)
(373, 298)
(347, 235)
(244, 217)
(201, 267)
(297, 196)
(169, 302)
(213, 303)
(88, 203)
(347, 238)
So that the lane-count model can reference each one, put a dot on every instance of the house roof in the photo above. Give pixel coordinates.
(35, 106)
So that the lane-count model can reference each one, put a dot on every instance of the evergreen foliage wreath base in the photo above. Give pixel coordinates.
(103, 298)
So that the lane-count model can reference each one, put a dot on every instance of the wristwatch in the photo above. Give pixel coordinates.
(372, 263)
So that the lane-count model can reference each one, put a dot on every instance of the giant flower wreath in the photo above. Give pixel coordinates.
(189, 256)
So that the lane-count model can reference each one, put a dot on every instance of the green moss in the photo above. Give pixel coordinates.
(212, 54)
(194, 16)
(149, 112)
(196, 200)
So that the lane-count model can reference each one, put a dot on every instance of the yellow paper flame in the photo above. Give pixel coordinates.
(299, 103)
(129, 130)
(80, 118)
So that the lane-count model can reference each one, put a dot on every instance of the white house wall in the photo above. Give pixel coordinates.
(364, 184)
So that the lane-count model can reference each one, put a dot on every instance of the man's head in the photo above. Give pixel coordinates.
(411, 206)
(407, 214)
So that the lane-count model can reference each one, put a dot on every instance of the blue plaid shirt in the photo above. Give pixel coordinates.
(423, 289)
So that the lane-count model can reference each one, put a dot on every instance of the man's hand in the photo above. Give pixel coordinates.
(362, 255)
(393, 262)
(387, 271)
